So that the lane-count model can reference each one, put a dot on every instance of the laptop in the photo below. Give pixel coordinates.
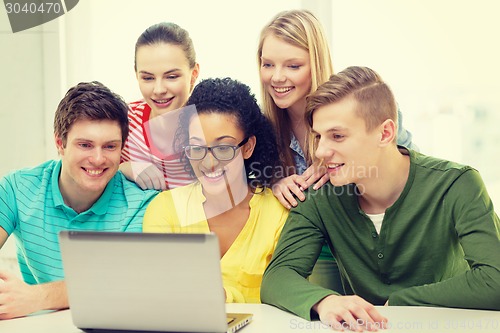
(146, 282)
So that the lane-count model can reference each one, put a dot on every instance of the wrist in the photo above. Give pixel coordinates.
(318, 306)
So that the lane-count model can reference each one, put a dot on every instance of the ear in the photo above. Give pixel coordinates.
(194, 75)
(387, 132)
(247, 149)
(59, 144)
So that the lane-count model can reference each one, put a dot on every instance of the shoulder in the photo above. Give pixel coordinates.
(138, 111)
(32, 174)
(137, 106)
(437, 166)
(268, 204)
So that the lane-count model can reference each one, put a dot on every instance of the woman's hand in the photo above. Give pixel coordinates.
(315, 174)
(146, 175)
(289, 189)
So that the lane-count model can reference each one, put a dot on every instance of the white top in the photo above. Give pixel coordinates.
(377, 220)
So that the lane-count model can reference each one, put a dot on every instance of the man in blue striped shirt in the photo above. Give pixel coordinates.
(81, 191)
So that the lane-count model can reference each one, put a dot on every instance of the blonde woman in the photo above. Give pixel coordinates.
(294, 59)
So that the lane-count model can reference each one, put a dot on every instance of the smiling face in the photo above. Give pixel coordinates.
(164, 76)
(285, 72)
(219, 177)
(349, 152)
(90, 158)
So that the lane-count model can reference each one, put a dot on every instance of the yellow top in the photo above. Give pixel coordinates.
(180, 210)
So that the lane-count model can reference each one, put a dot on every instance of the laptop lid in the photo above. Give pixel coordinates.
(145, 281)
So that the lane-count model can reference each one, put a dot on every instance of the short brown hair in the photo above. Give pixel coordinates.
(375, 99)
(90, 101)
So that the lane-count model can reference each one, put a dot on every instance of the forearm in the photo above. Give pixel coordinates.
(297, 295)
(53, 296)
(475, 289)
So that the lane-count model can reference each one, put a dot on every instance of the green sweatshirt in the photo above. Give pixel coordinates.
(439, 244)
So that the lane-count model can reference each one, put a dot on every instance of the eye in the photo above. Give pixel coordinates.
(223, 149)
(147, 78)
(338, 137)
(172, 77)
(294, 66)
(111, 147)
(266, 65)
(84, 145)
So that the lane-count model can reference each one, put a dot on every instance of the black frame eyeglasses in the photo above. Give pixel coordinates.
(220, 152)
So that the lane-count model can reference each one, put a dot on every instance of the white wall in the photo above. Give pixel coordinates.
(441, 58)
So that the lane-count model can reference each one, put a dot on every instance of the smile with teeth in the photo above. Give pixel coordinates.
(162, 101)
(334, 165)
(214, 174)
(94, 172)
(282, 90)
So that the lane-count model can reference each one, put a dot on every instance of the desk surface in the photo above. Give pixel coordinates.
(268, 319)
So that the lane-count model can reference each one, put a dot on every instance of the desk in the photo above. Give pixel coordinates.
(268, 319)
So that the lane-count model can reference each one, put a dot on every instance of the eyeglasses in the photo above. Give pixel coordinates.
(220, 152)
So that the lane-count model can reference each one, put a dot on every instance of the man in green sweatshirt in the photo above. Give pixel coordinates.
(405, 228)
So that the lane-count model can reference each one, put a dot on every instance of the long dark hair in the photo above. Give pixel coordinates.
(167, 33)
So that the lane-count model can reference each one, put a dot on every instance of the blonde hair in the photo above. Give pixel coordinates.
(302, 29)
(375, 100)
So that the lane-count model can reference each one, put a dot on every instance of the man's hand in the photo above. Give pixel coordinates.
(145, 174)
(349, 312)
(286, 190)
(18, 299)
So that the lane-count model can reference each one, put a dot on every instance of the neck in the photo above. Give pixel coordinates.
(381, 190)
(296, 112)
(235, 196)
(74, 197)
(79, 202)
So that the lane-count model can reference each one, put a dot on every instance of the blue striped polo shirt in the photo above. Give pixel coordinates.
(33, 210)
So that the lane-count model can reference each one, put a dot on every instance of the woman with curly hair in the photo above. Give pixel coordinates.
(230, 147)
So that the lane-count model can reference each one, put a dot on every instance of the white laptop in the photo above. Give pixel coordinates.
(146, 282)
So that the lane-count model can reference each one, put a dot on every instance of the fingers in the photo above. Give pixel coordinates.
(5, 276)
(322, 181)
(315, 174)
(141, 183)
(288, 190)
(151, 178)
(349, 312)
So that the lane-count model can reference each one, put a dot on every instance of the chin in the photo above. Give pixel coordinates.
(339, 182)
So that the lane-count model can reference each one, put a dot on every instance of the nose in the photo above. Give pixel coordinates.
(323, 151)
(278, 75)
(159, 88)
(209, 162)
(98, 157)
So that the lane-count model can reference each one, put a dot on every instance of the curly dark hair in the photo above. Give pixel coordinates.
(231, 97)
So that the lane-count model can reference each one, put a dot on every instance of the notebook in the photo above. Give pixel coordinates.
(146, 282)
